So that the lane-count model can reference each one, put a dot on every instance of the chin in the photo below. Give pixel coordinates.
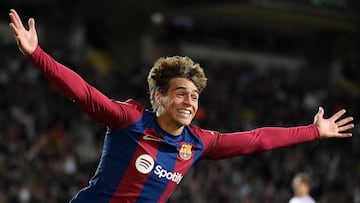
(185, 123)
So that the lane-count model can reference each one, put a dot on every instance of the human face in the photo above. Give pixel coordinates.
(301, 188)
(178, 106)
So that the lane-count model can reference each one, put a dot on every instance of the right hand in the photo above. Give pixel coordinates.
(27, 40)
(335, 126)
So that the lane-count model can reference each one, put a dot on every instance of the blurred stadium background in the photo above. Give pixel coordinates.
(269, 63)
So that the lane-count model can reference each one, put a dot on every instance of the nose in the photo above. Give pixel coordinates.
(188, 100)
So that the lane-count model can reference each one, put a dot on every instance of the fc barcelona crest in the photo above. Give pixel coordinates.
(185, 151)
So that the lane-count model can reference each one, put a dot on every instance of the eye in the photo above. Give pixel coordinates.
(194, 97)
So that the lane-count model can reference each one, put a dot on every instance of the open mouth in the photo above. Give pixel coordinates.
(184, 111)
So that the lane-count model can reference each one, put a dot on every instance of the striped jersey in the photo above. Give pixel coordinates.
(141, 162)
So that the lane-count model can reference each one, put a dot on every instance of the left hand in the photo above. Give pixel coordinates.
(27, 40)
(333, 127)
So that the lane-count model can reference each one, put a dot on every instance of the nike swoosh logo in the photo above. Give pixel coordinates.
(147, 137)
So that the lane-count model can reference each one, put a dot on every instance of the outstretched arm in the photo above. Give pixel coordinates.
(267, 138)
(112, 113)
(27, 40)
(333, 127)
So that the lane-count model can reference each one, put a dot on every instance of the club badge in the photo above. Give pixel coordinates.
(185, 151)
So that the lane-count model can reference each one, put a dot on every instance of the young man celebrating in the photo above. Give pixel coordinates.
(147, 153)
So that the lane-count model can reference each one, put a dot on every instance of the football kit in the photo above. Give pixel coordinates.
(141, 162)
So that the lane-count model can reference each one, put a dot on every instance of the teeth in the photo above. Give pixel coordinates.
(184, 111)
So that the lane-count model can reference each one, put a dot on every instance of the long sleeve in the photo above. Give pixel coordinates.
(227, 145)
(112, 113)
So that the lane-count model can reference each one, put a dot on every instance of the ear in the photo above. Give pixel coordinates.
(158, 98)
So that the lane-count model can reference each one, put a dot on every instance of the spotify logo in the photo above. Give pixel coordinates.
(144, 163)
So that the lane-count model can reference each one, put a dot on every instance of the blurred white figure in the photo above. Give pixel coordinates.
(301, 185)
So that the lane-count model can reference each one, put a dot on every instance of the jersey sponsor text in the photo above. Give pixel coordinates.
(172, 176)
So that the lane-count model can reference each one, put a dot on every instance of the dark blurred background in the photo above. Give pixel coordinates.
(269, 63)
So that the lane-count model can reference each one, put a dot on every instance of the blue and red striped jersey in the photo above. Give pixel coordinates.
(141, 162)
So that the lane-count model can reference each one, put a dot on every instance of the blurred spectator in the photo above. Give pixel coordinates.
(301, 185)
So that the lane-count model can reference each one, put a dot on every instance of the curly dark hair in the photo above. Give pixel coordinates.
(166, 68)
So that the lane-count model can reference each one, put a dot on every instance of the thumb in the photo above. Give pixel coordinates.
(31, 24)
(319, 114)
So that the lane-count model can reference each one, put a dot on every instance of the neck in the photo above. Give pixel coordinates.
(169, 127)
(301, 194)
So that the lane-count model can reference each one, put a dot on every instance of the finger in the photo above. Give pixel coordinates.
(344, 121)
(344, 135)
(320, 112)
(345, 127)
(14, 30)
(338, 114)
(15, 19)
(31, 23)
(13, 26)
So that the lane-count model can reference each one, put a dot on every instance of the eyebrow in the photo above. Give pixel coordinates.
(184, 88)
